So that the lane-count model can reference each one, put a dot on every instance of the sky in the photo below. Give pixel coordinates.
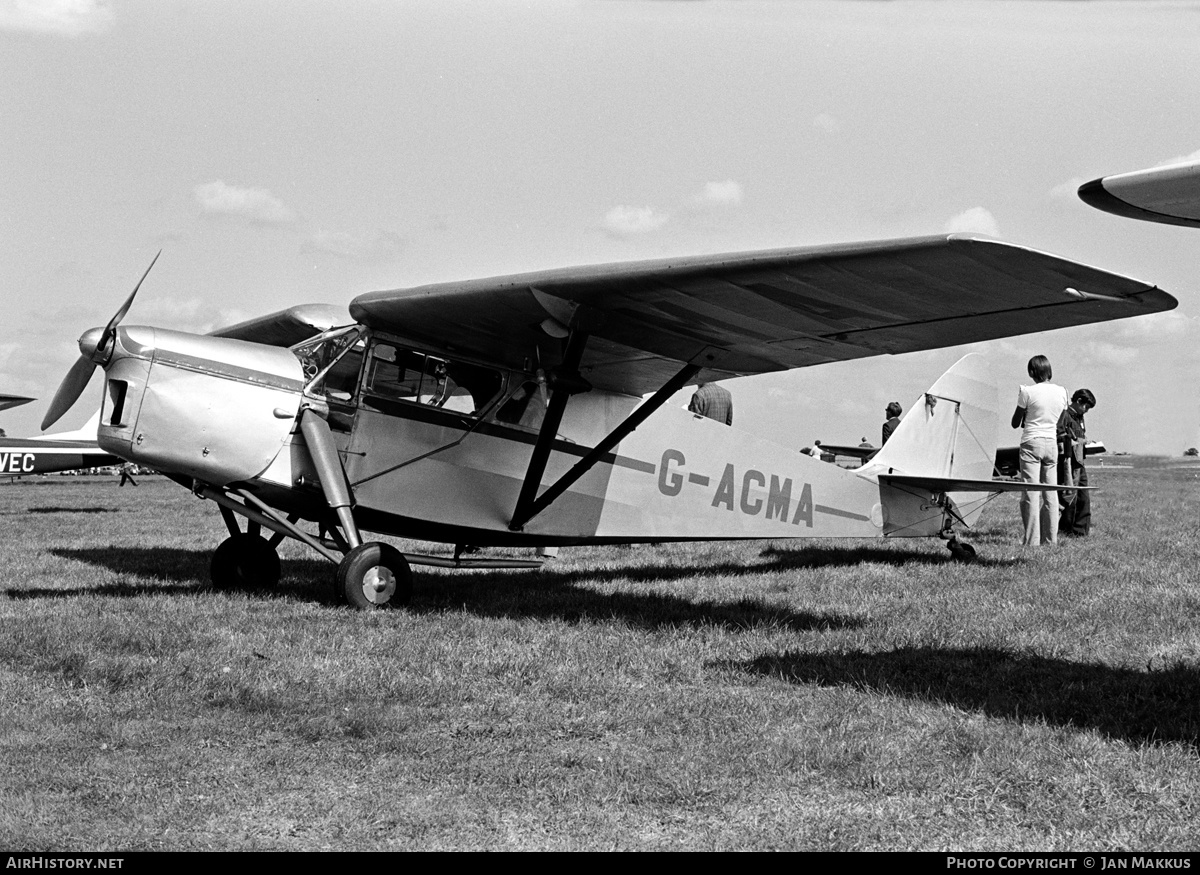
(309, 151)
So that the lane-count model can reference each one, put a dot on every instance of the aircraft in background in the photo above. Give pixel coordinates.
(1006, 465)
(1169, 194)
(66, 451)
(512, 411)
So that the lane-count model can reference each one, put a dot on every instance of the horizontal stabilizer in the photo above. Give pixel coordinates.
(964, 484)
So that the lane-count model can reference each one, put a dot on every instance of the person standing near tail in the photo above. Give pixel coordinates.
(1075, 518)
(714, 402)
(892, 412)
(1038, 408)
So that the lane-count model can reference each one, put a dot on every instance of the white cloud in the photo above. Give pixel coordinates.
(720, 194)
(976, 220)
(827, 123)
(367, 246)
(1182, 159)
(1068, 189)
(64, 17)
(1156, 327)
(625, 221)
(253, 204)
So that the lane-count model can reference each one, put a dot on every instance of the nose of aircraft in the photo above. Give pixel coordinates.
(90, 342)
(91, 347)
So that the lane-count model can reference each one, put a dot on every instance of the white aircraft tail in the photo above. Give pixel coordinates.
(946, 440)
(87, 433)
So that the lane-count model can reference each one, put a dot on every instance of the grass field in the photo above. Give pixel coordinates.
(829, 695)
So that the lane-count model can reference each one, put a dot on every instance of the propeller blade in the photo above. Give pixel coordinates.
(111, 328)
(69, 390)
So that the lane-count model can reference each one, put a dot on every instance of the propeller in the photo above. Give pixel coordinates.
(96, 348)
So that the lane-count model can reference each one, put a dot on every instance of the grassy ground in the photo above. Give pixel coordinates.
(828, 695)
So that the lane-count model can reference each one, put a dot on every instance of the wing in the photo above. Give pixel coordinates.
(287, 327)
(7, 401)
(1162, 194)
(850, 452)
(752, 313)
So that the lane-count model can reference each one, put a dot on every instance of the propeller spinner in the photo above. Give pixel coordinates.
(96, 348)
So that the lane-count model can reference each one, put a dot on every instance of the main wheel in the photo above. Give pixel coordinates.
(374, 575)
(245, 562)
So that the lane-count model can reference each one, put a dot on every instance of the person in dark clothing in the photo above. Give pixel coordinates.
(892, 411)
(127, 474)
(1075, 514)
(714, 402)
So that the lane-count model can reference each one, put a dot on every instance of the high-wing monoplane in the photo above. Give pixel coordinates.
(513, 411)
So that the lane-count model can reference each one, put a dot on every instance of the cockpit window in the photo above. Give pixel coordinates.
(407, 375)
(331, 362)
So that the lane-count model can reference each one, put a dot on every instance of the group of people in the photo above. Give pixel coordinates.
(1053, 437)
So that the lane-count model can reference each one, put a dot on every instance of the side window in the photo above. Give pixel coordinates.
(331, 362)
(526, 407)
(342, 379)
(395, 373)
(431, 380)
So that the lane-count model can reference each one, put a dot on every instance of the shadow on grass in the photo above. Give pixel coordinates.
(546, 593)
(1134, 706)
(850, 554)
(74, 510)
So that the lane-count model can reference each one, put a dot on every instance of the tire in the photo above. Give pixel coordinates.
(245, 562)
(373, 576)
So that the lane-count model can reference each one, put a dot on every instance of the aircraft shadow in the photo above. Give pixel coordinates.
(74, 510)
(545, 593)
(1139, 707)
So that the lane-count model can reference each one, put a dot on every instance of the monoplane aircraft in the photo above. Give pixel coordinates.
(512, 411)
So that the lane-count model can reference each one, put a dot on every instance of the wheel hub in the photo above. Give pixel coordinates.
(379, 585)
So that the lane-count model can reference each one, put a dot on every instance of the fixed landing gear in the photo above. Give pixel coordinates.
(245, 561)
(960, 551)
(374, 575)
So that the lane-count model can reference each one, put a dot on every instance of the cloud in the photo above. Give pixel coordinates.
(827, 123)
(976, 220)
(367, 246)
(1182, 159)
(720, 194)
(626, 221)
(63, 17)
(252, 204)
(1067, 189)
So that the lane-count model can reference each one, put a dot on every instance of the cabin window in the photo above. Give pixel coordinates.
(331, 362)
(526, 406)
(434, 381)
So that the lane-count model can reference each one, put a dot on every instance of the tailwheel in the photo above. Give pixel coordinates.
(374, 575)
(245, 562)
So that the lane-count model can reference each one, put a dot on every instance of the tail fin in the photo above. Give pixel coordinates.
(948, 434)
(950, 431)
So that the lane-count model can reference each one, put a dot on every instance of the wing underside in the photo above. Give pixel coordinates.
(753, 313)
(1170, 195)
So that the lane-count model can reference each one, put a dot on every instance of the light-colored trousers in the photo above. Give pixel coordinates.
(1039, 464)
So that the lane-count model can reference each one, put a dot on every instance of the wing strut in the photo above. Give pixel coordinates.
(526, 512)
(550, 423)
